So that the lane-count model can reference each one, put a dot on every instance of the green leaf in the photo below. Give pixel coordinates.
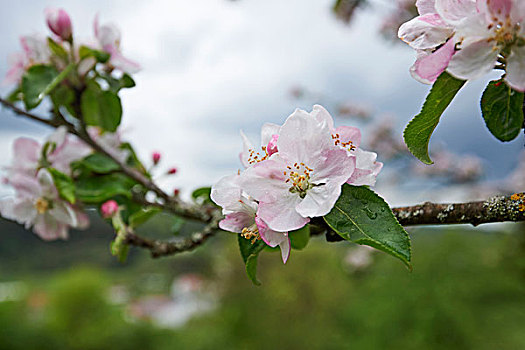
(63, 95)
(361, 216)
(15, 95)
(35, 83)
(97, 189)
(127, 81)
(100, 56)
(101, 108)
(116, 84)
(98, 163)
(299, 238)
(502, 109)
(418, 132)
(64, 185)
(140, 217)
(249, 253)
(119, 249)
(57, 49)
(202, 195)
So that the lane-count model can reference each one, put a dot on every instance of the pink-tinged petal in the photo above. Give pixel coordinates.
(26, 185)
(349, 133)
(48, 228)
(271, 147)
(365, 177)
(265, 181)
(270, 237)
(499, 9)
(302, 137)
(453, 11)
(473, 61)
(281, 215)
(58, 137)
(35, 48)
(26, 153)
(20, 210)
(425, 6)
(517, 14)
(322, 116)
(285, 249)
(472, 29)
(515, 76)
(123, 63)
(334, 166)
(226, 192)
(319, 200)
(15, 73)
(428, 67)
(235, 222)
(425, 32)
(82, 219)
(247, 146)
(107, 34)
(63, 213)
(269, 130)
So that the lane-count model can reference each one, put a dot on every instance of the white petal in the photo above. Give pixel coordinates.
(516, 69)
(322, 116)
(319, 200)
(267, 131)
(235, 222)
(425, 6)
(454, 11)
(281, 214)
(473, 61)
(265, 181)
(64, 213)
(425, 32)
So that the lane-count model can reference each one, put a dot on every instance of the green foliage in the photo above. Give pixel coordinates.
(144, 214)
(63, 95)
(97, 189)
(15, 95)
(249, 253)
(202, 195)
(101, 108)
(361, 216)
(57, 49)
(117, 84)
(100, 56)
(418, 132)
(64, 185)
(97, 163)
(35, 82)
(299, 238)
(502, 109)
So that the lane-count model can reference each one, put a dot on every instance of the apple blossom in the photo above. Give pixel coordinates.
(57, 151)
(241, 215)
(108, 38)
(303, 179)
(34, 51)
(495, 32)
(38, 205)
(349, 138)
(250, 154)
(59, 22)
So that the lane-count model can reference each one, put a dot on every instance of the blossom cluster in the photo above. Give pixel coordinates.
(468, 39)
(296, 174)
(39, 50)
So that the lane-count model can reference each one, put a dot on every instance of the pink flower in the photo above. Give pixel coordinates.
(432, 34)
(38, 205)
(495, 29)
(108, 37)
(59, 150)
(35, 51)
(303, 179)
(172, 171)
(59, 22)
(251, 155)
(349, 139)
(241, 215)
(109, 209)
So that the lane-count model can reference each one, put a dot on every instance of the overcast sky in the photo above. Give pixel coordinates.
(213, 67)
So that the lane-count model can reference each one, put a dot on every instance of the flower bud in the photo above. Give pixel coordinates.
(109, 209)
(155, 157)
(172, 171)
(59, 22)
(176, 192)
(271, 148)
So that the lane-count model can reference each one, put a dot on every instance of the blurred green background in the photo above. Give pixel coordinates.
(467, 291)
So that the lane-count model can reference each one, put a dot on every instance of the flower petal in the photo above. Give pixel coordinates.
(349, 133)
(515, 76)
(473, 61)
(281, 215)
(453, 11)
(319, 200)
(265, 181)
(235, 222)
(48, 228)
(425, 6)
(428, 67)
(425, 32)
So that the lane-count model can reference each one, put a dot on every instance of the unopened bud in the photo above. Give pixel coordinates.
(109, 209)
(155, 157)
(176, 192)
(172, 171)
(59, 22)
(271, 148)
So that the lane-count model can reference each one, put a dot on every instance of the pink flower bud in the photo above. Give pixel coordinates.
(172, 171)
(109, 209)
(176, 192)
(155, 157)
(59, 22)
(271, 148)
